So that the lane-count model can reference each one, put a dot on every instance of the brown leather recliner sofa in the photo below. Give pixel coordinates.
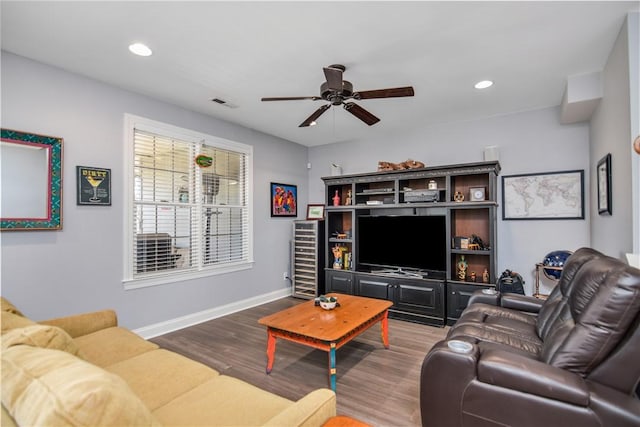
(570, 360)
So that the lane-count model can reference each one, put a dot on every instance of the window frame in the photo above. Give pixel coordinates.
(129, 281)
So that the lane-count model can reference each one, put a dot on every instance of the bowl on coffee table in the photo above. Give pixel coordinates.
(328, 303)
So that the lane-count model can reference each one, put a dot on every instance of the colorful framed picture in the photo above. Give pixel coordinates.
(546, 195)
(315, 212)
(94, 186)
(284, 200)
(604, 185)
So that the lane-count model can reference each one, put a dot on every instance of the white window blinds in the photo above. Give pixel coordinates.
(187, 215)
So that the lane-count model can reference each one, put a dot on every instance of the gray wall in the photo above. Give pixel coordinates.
(634, 110)
(611, 133)
(49, 273)
(634, 85)
(527, 142)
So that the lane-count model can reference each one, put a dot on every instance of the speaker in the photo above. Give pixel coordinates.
(491, 153)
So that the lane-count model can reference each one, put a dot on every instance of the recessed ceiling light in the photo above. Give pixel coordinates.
(140, 49)
(483, 84)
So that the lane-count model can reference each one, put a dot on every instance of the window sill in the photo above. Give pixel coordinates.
(163, 278)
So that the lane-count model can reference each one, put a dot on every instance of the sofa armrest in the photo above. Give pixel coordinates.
(86, 323)
(444, 376)
(518, 372)
(314, 409)
(521, 302)
(480, 296)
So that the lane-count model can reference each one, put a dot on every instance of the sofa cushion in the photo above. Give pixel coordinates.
(112, 345)
(159, 376)
(553, 312)
(6, 420)
(5, 305)
(11, 321)
(43, 387)
(481, 332)
(504, 326)
(311, 410)
(603, 307)
(81, 324)
(40, 336)
(491, 314)
(222, 401)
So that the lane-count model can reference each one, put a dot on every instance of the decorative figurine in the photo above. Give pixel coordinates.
(485, 276)
(337, 257)
(336, 199)
(462, 268)
(347, 201)
(473, 276)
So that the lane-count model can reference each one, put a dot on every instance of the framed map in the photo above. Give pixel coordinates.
(548, 195)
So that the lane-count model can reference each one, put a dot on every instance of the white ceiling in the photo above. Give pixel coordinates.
(241, 51)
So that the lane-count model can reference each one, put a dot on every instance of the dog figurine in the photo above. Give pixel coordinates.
(409, 164)
(412, 164)
(388, 166)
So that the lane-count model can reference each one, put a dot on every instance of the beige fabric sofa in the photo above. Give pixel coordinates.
(85, 370)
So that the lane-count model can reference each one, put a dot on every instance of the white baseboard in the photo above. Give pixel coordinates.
(167, 326)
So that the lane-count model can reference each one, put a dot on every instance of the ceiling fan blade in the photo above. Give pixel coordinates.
(395, 92)
(292, 98)
(361, 113)
(334, 78)
(314, 116)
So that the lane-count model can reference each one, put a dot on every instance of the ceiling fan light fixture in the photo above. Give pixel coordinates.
(140, 49)
(338, 91)
(483, 84)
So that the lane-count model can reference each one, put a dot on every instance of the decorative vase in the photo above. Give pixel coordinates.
(336, 199)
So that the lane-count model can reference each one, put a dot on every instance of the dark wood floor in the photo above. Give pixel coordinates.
(374, 384)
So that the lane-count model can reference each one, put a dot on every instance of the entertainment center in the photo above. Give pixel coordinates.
(424, 239)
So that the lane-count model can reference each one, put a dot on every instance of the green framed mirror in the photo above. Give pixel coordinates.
(31, 176)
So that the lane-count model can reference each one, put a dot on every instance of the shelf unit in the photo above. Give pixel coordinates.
(449, 191)
(307, 259)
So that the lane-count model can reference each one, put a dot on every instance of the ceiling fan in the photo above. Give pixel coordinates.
(338, 91)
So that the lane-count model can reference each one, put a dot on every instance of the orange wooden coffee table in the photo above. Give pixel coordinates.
(326, 330)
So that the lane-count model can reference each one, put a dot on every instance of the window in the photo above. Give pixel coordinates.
(188, 207)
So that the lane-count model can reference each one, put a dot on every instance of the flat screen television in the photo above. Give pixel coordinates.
(402, 242)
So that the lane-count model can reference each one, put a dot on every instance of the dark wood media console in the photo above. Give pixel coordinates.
(465, 195)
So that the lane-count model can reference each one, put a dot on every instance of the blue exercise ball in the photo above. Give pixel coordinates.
(555, 259)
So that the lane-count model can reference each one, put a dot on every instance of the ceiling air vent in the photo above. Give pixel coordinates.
(223, 103)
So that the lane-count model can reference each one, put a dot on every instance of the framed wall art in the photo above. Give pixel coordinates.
(547, 195)
(284, 200)
(31, 166)
(315, 212)
(93, 186)
(603, 175)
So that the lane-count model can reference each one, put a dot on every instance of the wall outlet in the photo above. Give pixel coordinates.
(285, 276)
